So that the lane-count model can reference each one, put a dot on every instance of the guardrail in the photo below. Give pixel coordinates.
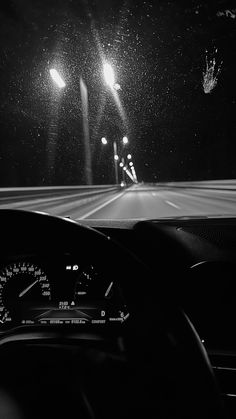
(48, 190)
(225, 184)
(53, 195)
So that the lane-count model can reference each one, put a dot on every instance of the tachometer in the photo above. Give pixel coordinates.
(21, 284)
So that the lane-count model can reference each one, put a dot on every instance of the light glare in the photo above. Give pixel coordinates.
(109, 74)
(125, 140)
(57, 78)
(104, 140)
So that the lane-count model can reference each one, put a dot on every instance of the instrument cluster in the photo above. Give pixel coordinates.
(60, 291)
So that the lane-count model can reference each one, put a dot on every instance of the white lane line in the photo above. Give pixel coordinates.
(100, 206)
(172, 204)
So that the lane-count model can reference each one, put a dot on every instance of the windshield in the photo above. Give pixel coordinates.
(118, 109)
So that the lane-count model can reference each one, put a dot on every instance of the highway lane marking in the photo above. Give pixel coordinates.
(100, 206)
(172, 204)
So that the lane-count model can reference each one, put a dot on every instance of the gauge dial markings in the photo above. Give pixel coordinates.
(21, 285)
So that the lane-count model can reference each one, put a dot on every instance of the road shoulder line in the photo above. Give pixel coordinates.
(172, 204)
(100, 207)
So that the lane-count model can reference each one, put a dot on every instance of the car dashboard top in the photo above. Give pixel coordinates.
(191, 261)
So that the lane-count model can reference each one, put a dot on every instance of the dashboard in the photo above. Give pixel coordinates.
(57, 290)
(103, 305)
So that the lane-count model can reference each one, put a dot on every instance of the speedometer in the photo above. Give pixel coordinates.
(21, 283)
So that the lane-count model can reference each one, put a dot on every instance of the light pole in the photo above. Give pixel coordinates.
(58, 80)
(53, 128)
(122, 164)
(86, 137)
(116, 156)
(109, 77)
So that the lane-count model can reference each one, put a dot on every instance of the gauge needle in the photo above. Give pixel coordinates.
(108, 289)
(27, 289)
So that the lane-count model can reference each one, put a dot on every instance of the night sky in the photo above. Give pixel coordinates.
(177, 129)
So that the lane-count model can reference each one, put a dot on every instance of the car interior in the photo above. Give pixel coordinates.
(117, 209)
(102, 319)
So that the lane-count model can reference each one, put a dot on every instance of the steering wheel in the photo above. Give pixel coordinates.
(166, 372)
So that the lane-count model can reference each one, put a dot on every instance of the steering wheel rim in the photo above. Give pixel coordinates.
(148, 318)
(190, 390)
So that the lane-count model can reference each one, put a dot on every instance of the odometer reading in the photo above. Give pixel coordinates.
(21, 284)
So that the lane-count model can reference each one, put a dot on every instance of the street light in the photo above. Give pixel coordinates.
(104, 141)
(116, 157)
(109, 74)
(128, 173)
(57, 78)
(129, 157)
(134, 174)
(130, 163)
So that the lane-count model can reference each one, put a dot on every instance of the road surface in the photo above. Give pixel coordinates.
(137, 202)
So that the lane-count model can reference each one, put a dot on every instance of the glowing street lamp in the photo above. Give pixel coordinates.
(109, 74)
(57, 78)
(104, 141)
(129, 157)
(116, 157)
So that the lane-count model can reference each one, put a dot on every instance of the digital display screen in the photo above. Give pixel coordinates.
(71, 313)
